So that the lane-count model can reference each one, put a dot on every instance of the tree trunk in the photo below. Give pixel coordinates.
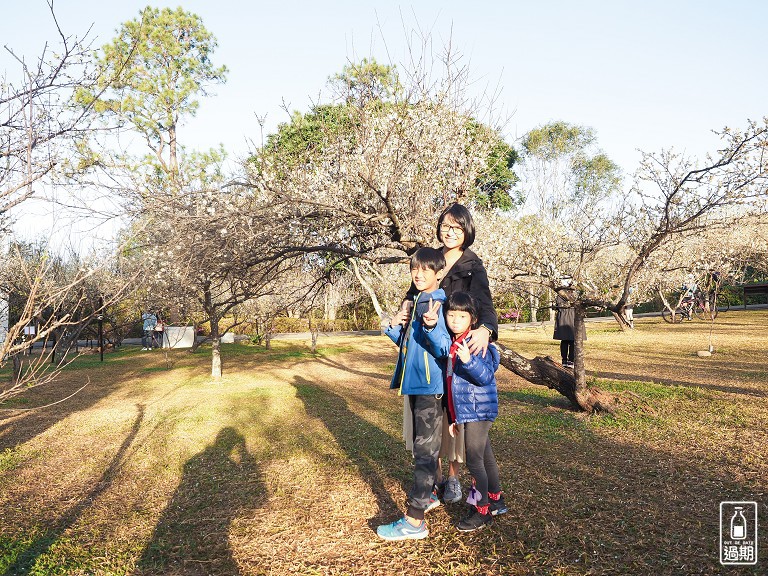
(213, 318)
(64, 344)
(329, 308)
(668, 306)
(16, 374)
(314, 342)
(215, 348)
(541, 370)
(313, 331)
(544, 371)
(551, 307)
(579, 372)
(710, 306)
(368, 288)
(269, 326)
(195, 342)
(533, 302)
(173, 160)
(621, 319)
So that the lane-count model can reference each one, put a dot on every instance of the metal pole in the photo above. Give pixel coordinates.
(101, 328)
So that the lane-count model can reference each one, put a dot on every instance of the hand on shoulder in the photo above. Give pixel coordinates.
(479, 340)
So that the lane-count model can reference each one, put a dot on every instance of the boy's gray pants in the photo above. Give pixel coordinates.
(427, 433)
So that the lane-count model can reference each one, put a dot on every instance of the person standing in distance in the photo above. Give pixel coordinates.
(148, 328)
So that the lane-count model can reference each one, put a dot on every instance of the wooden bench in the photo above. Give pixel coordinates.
(754, 289)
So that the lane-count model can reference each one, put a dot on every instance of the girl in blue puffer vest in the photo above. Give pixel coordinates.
(472, 400)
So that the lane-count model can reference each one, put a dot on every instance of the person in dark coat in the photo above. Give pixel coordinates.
(149, 320)
(565, 330)
(465, 272)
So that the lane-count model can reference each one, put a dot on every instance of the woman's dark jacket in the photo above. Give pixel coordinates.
(468, 275)
(565, 321)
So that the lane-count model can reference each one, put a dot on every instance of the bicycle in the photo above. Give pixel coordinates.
(698, 306)
(709, 311)
(681, 311)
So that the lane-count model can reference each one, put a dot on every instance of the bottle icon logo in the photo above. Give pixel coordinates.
(738, 524)
(738, 533)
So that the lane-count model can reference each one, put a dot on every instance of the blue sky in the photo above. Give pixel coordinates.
(648, 75)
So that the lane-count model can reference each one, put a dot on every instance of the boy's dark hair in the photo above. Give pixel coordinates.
(430, 258)
(462, 302)
(463, 218)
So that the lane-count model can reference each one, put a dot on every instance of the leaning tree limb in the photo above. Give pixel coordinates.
(544, 371)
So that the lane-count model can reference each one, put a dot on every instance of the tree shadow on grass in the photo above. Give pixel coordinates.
(535, 399)
(331, 363)
(21, 422)
(18, 427)
(192, 536)
(27, 559)
(375, 453)
(607, 504)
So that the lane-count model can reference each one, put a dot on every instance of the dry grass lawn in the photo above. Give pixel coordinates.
(289, 464)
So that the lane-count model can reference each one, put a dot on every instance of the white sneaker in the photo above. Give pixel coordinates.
(145, 348)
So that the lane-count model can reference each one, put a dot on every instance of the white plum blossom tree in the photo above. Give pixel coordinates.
(642, 238)
(42, 133)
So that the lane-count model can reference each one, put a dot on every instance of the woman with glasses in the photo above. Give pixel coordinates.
(463, 272)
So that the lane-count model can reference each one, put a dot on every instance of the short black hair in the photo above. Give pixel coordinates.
(431, 258)
(463, 218)
(462, 302)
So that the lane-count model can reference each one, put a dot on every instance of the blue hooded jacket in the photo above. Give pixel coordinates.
(417, 370)
(473, 385)
(150, 321)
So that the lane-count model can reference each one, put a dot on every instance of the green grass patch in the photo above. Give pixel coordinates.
(539, 396)
(91, 360)
(15, 402)
(333, 350)
(156, 369)
(10, 458)
(50, 556)
(631, 422)
(13, 550)
(543, 425)
(649, 390)
(640, 419)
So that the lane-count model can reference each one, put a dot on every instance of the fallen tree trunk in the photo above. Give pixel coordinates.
(544, 371)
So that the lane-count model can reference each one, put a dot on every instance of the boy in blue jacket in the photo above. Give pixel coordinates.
(419, 376)
(470, 384)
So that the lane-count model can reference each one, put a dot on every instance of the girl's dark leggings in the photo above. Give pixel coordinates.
(480, 459)
(566, 350)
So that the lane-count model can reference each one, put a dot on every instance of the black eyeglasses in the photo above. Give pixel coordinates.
(457, 230)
